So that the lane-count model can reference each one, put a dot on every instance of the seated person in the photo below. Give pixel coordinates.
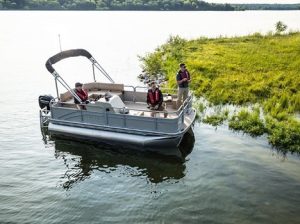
(82, 94)
(155, 99)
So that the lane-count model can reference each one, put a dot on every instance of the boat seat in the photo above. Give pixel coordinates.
(64, 97)
(100, 107)
(95, 93)
(96, 88)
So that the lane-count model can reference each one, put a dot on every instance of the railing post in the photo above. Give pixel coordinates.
(106, 118)
(93, 66)
(124, 120)
(183, 112)
(134, 92)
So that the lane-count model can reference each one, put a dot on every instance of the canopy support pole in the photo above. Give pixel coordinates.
(56, 88)
(101, 69)
(64, 84)
(94, 72)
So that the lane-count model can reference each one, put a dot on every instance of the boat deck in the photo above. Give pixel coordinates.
(140, 109)
(135, 108)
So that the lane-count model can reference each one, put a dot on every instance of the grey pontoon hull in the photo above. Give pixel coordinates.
(166, 145)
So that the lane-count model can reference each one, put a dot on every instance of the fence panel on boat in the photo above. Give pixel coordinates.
(116, 120)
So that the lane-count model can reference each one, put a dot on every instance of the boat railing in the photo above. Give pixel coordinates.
(144, 89)
(133, 90)
(186, 104)
(171, 124)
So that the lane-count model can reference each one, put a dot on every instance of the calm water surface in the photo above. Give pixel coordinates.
(228, 178)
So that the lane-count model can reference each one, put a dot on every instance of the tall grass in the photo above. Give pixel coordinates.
(249, 122)
(263, 69)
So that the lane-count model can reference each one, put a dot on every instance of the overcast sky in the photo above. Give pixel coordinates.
(254, 1)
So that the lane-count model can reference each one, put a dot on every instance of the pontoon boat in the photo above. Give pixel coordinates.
(121, 118)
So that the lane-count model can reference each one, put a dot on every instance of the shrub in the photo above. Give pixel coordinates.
(280, 27)
(216, 119)
(284, 135)
(249, 122)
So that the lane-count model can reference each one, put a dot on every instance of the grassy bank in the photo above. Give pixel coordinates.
(256, 69)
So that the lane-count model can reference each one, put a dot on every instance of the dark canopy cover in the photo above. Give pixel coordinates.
(65, 54)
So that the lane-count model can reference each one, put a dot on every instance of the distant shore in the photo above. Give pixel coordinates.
(137, 5)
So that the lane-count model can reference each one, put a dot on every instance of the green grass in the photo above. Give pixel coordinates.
(216, 119)
(255, 69)
(284, 135)
(249, 122)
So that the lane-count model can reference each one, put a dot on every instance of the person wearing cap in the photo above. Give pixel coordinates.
(82, 94)
(183, 78)
(155, 99)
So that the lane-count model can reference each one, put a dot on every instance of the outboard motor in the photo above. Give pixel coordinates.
(44, 101)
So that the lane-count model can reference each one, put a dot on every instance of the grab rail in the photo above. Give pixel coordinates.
(180, 112)
(184, 105)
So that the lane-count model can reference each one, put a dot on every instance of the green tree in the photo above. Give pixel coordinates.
(113, 5)
(280, 27)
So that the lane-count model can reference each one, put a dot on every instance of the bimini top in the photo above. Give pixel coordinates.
(66, 54)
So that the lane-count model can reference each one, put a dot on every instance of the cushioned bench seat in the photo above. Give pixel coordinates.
(96, 88)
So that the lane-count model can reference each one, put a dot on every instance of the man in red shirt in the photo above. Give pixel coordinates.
(155, 99)
(183, 78)
(82, 94)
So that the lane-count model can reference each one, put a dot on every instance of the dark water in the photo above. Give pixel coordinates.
(228, 177)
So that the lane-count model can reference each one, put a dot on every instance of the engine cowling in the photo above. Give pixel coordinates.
(44, 101)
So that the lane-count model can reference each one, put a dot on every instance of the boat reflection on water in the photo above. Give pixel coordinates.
(83, 160)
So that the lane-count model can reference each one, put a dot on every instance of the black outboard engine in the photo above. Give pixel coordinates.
(44, 101)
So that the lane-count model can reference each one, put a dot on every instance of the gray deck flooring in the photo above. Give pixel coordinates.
(140, 109)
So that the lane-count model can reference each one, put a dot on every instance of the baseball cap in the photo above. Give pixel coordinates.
(77, 84)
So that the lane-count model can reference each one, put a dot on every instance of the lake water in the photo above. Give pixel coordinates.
(228, 177)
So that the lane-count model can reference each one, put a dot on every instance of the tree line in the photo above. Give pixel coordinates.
(176, 5)
(266, 6)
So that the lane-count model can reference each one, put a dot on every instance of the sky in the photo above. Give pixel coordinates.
(254, 1)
